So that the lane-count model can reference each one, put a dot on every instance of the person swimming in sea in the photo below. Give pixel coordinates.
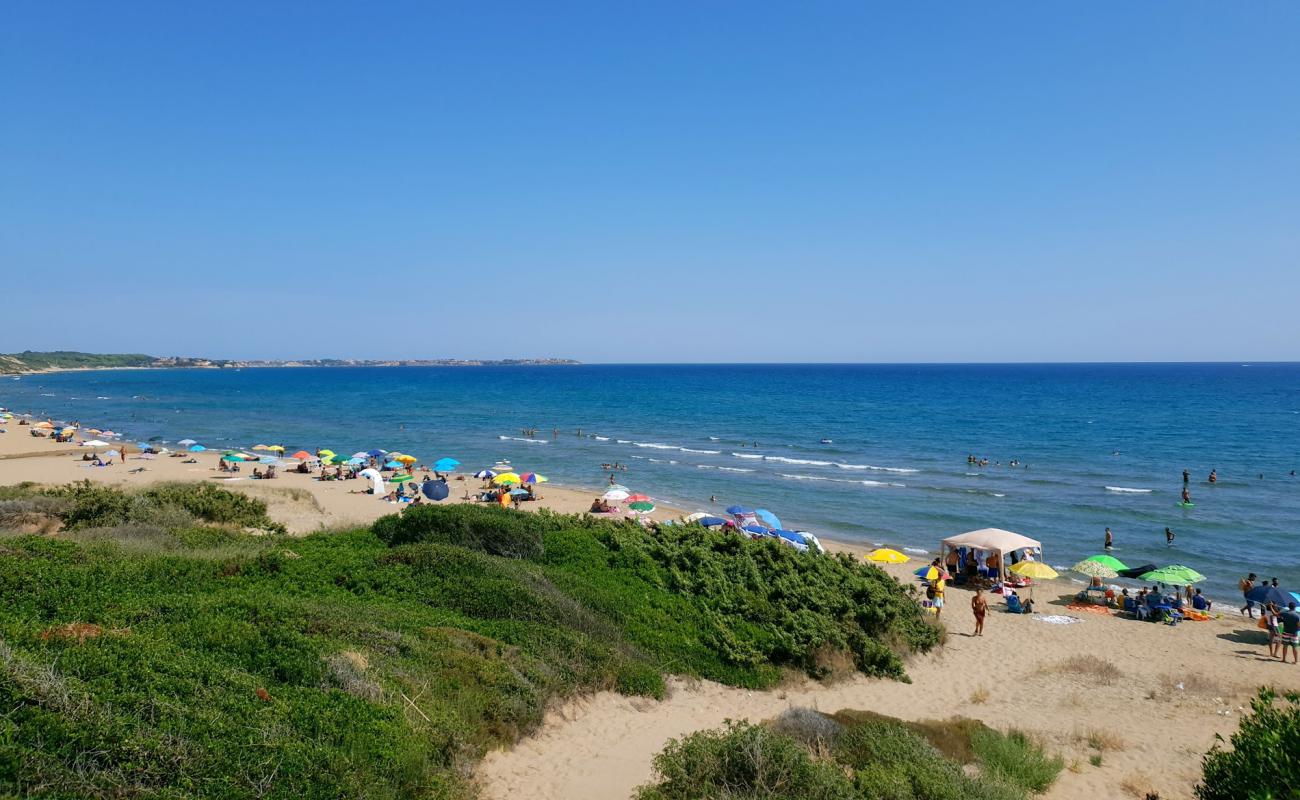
(1187, 476)
(1169, 536)
(1110, 541)
(1214, 476)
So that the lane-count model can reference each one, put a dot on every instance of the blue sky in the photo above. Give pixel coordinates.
(703, 181)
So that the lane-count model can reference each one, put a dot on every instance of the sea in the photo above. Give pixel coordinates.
(872, 454)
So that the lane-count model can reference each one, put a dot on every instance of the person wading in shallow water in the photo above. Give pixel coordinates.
(1110, 540)
(1169, 536)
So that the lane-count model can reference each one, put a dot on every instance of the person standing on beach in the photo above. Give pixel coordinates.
(1110, 540)
(1290, 633)
(938, 597)
(1169, 536)
(1248, 583)
(979, 606)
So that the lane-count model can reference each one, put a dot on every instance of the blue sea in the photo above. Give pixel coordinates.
(1096, 444)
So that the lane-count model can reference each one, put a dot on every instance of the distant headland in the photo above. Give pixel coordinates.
(30, 361)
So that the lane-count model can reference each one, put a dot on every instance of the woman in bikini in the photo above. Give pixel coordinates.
(980, 606)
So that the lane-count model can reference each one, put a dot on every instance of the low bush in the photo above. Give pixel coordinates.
(488, 529)
(870, 758)
(1014, 758)
(166, 506)
(1261, 764)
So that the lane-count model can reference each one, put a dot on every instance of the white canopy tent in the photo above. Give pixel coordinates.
(991, 540)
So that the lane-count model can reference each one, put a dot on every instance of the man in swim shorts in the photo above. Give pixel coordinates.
(1248, 583)
(1290, 633)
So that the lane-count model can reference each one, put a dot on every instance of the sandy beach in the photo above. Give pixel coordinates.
(1148, 698)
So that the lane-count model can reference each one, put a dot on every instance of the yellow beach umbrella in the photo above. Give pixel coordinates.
(886, 556)
(261, 447)
(507, 477)
(326, 453)
(405, 459)
(1034, 569)
(277, 448)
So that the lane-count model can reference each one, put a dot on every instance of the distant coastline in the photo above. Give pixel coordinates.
(35, 363)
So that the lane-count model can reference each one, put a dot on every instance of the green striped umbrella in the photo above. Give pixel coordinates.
(642, 505)
(1110, 561)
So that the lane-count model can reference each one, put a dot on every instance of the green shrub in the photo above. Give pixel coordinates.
(166, 506)
(1014, 758)
(486, 528)
(1261, 764)
(743, 762)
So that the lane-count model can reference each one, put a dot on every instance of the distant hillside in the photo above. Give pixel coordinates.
(30, 361)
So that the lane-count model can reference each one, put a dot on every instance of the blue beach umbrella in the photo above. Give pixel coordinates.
(1267, 593)
(768, 517)
(376, 453)
(793, 537)
(740, 511)
(435, 490)
(356, 462)
(485, 473)
(711, 522)
(445, 464)
(197, 448)
(757, 529)
(393, 465)
(518, 492)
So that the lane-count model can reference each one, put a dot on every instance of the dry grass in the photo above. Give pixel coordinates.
(1101, 740)
(1138, 784)
(1190, 684)
(1097, 670)
(979, 696)
(1075, 766)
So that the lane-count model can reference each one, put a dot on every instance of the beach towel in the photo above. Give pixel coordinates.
(1090, 608)
(1056, 619)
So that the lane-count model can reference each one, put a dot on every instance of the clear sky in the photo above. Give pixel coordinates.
(653, 181)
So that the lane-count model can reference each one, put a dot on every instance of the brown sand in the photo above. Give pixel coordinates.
(1153, 697)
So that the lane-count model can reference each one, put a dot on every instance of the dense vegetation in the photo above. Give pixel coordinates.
(1261, 764)
(30, 361)
(805, 755)
(154, 649)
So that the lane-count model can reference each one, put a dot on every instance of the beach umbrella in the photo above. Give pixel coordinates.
(405, 459)
(341, 459)
(508, 477)
(768, 517)
(483, 473)
(713, 522)
(1174, 573)
(615, 495)
(325, 453)
(393, 465)
(1108, 560)
(758, 530)
(362, 455)
(276, 448)
(533, 477)
(43, 425)
(1034, 569)
(376, 453)
(638, 498)
(644, 506)
(303, 455)
(1267, 593)
(197, 448)
(797, 540)
(886, 556)
(233, 457)
(445, 464)
(261, 447)
(376, 480)
(1095, 569)
(931, 573)
(435, 490)
(356, 462)
(95, 443)
(182, 442)
(740, 511)
(107, 433)
(518, 492)
(399, 479)
(618, 487)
